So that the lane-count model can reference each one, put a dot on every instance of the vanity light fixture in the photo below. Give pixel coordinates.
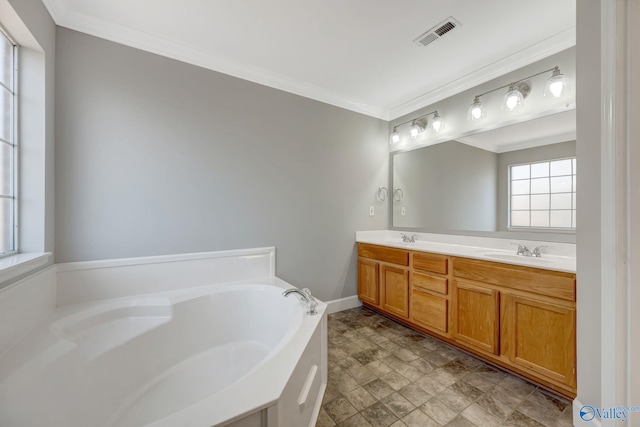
(436, 124)
(418, 126)
(514, 98)
(395, 136)
(556, 86)
(476, 110)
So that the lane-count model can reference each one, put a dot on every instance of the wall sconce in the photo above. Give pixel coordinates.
(382, 193)
(418, 126)
(556, 86)
(398, 194)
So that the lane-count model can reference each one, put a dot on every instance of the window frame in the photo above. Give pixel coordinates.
(568, 230)
(14, 143)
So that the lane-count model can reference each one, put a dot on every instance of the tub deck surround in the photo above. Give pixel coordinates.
(94, 280)
(205, 355)
(555, 256)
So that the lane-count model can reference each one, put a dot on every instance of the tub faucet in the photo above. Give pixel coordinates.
(305, 295)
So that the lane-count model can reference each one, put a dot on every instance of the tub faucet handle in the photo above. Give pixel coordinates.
(311, 304)
(522, 249)
(536, 252)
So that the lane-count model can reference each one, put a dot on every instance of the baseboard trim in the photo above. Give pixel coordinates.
(343, 304)
(578, 421)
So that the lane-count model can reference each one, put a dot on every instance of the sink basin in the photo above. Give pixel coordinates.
(515, 258)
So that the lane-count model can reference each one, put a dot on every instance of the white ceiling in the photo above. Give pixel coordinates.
(356, 54)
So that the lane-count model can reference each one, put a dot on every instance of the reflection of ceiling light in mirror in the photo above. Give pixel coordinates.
(557, 85)
(395, 136)
(476, 110)
(417, 127)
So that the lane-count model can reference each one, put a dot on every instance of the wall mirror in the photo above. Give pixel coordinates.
(462, 186)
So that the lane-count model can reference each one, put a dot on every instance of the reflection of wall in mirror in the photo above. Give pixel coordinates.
(454, 186)
(448, 186)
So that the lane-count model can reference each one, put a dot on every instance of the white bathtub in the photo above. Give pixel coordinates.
(225, 354)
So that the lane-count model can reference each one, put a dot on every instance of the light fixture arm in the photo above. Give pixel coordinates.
(554, 69)
(435, 112)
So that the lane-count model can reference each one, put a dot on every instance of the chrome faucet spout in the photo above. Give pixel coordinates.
(305, 296)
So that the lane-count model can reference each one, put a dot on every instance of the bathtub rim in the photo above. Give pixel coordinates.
(264, 388)
(259, 390)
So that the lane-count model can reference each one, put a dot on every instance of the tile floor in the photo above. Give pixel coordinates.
(384, 374)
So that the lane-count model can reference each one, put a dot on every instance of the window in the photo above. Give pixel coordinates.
(543, 195)
(7, 144)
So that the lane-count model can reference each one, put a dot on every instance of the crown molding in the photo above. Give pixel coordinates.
(498, 149)
(524, 57)
(63, 16)
(192, 55)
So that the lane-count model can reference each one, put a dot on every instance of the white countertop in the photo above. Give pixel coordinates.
(555, 256)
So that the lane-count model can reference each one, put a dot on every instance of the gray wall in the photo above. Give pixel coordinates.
(447, 186)
(545, 152)
(157, 157)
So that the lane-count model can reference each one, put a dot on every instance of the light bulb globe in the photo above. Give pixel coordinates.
(436, 125)
(557, 85)
(513, 100)
(476, 111)
(417, 127)
(395, 137)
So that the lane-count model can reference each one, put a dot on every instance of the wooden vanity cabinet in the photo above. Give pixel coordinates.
(369, 281)
(430, 305)
(383, 278)
(540, 336)
(394, 286)
(521, 318)
(524, 316)
(477, 316)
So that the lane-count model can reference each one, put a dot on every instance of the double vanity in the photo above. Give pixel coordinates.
(515, 311)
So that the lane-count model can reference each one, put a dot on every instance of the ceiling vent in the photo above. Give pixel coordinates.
(436, 32)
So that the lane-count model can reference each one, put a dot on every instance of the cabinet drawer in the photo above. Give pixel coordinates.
(431, 262)
(430, 311)
(384, 254)
(544, 282)
(430, 283)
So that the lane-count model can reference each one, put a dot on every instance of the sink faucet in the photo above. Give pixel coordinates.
(522, 250)
(305, 295)
(408, 239)
(536, 252)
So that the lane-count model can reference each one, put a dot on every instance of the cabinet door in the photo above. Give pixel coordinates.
(476, 316)
(540, 336)
(394, 284)
(430, 311)
(368, 282)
